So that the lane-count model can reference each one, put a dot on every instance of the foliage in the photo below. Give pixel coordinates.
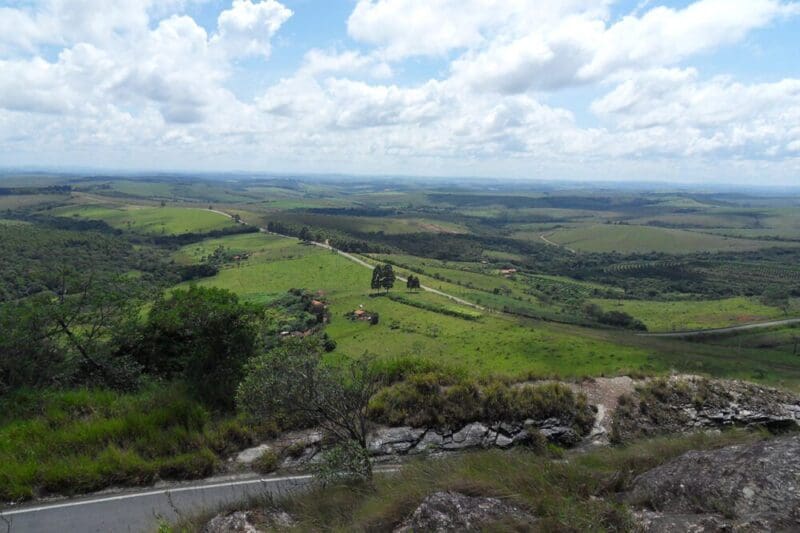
(66, 442)
(32, 258)
(427, 400)
(266, 463)
(69, 334)
(291, 383)
(346, 461)
(198, 333)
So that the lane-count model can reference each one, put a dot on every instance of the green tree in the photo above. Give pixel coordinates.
(291, 382)
(203, 335)
(377, 275)
(305, 234)
(387, 278)
(69, 332)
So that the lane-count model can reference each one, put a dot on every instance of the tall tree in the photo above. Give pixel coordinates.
(377, 275)
(388, 278)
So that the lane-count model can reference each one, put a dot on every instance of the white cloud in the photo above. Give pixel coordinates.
(248, 27)
(144, 78)
(580, 47)
(673, 110)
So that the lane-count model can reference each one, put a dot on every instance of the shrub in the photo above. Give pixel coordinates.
(266, 463)
(462, 404)
(189, 465)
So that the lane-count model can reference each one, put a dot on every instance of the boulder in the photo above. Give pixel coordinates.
(235, 522)
(249, 455)
(470, 436)
(743, 487)
(452, 511)
(389, 441)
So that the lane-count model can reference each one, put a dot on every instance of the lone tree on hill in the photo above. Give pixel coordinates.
(388, 278)
(377, 274)
(412, 283)
(383, 277)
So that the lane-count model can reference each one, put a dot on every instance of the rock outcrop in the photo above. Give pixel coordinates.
(245, 521)
(751, 487)
(683, 404)
(452, 511)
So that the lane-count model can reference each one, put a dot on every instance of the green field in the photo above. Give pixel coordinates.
(494, 344)
(691, 315)
(151, 220)
(629, 239)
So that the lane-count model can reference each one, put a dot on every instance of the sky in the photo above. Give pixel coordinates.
(703, 91)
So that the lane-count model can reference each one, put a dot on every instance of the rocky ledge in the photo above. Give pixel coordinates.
(681, 404)
(752, 487)
(452, 511)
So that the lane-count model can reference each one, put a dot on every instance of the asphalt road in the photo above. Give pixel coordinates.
(137, 512)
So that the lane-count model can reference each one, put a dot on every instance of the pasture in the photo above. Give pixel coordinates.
(494, 344)
(661, 316)
(150, 220)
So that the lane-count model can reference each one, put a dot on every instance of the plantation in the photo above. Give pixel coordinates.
(629, 239)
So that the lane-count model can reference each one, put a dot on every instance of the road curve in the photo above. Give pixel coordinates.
(365, 264)
(141, 511)
(718, 331)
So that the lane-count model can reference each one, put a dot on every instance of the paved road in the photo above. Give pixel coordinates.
(137, 512)
(717, 331)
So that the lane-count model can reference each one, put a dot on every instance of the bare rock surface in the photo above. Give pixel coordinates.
(749, 487)
(452, 511)
(235, 522)
(683, 404)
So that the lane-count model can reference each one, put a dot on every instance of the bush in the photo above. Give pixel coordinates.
(425, 401)
(266, 463)
(345, 462)
(189, 465)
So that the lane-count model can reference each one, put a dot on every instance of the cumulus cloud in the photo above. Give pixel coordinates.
(148, 77)
(248, 27)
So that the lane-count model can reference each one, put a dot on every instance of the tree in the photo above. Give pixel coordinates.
(203, 335)
(305, 234)
(69, 330)
(387, 277)
(377, 275)
(292, 382)
(413, 282)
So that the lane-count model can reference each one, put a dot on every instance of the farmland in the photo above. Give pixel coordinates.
(630, 239)
(691, 315)
(150, 220)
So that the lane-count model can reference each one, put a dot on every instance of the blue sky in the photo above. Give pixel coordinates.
(694, 91)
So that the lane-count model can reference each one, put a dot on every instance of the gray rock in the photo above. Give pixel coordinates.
(503, 442)
(431, 441)
(236, 522)
(387, 441)
(452, 511)
(749, 485)
(249, 455)
(470, 436)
